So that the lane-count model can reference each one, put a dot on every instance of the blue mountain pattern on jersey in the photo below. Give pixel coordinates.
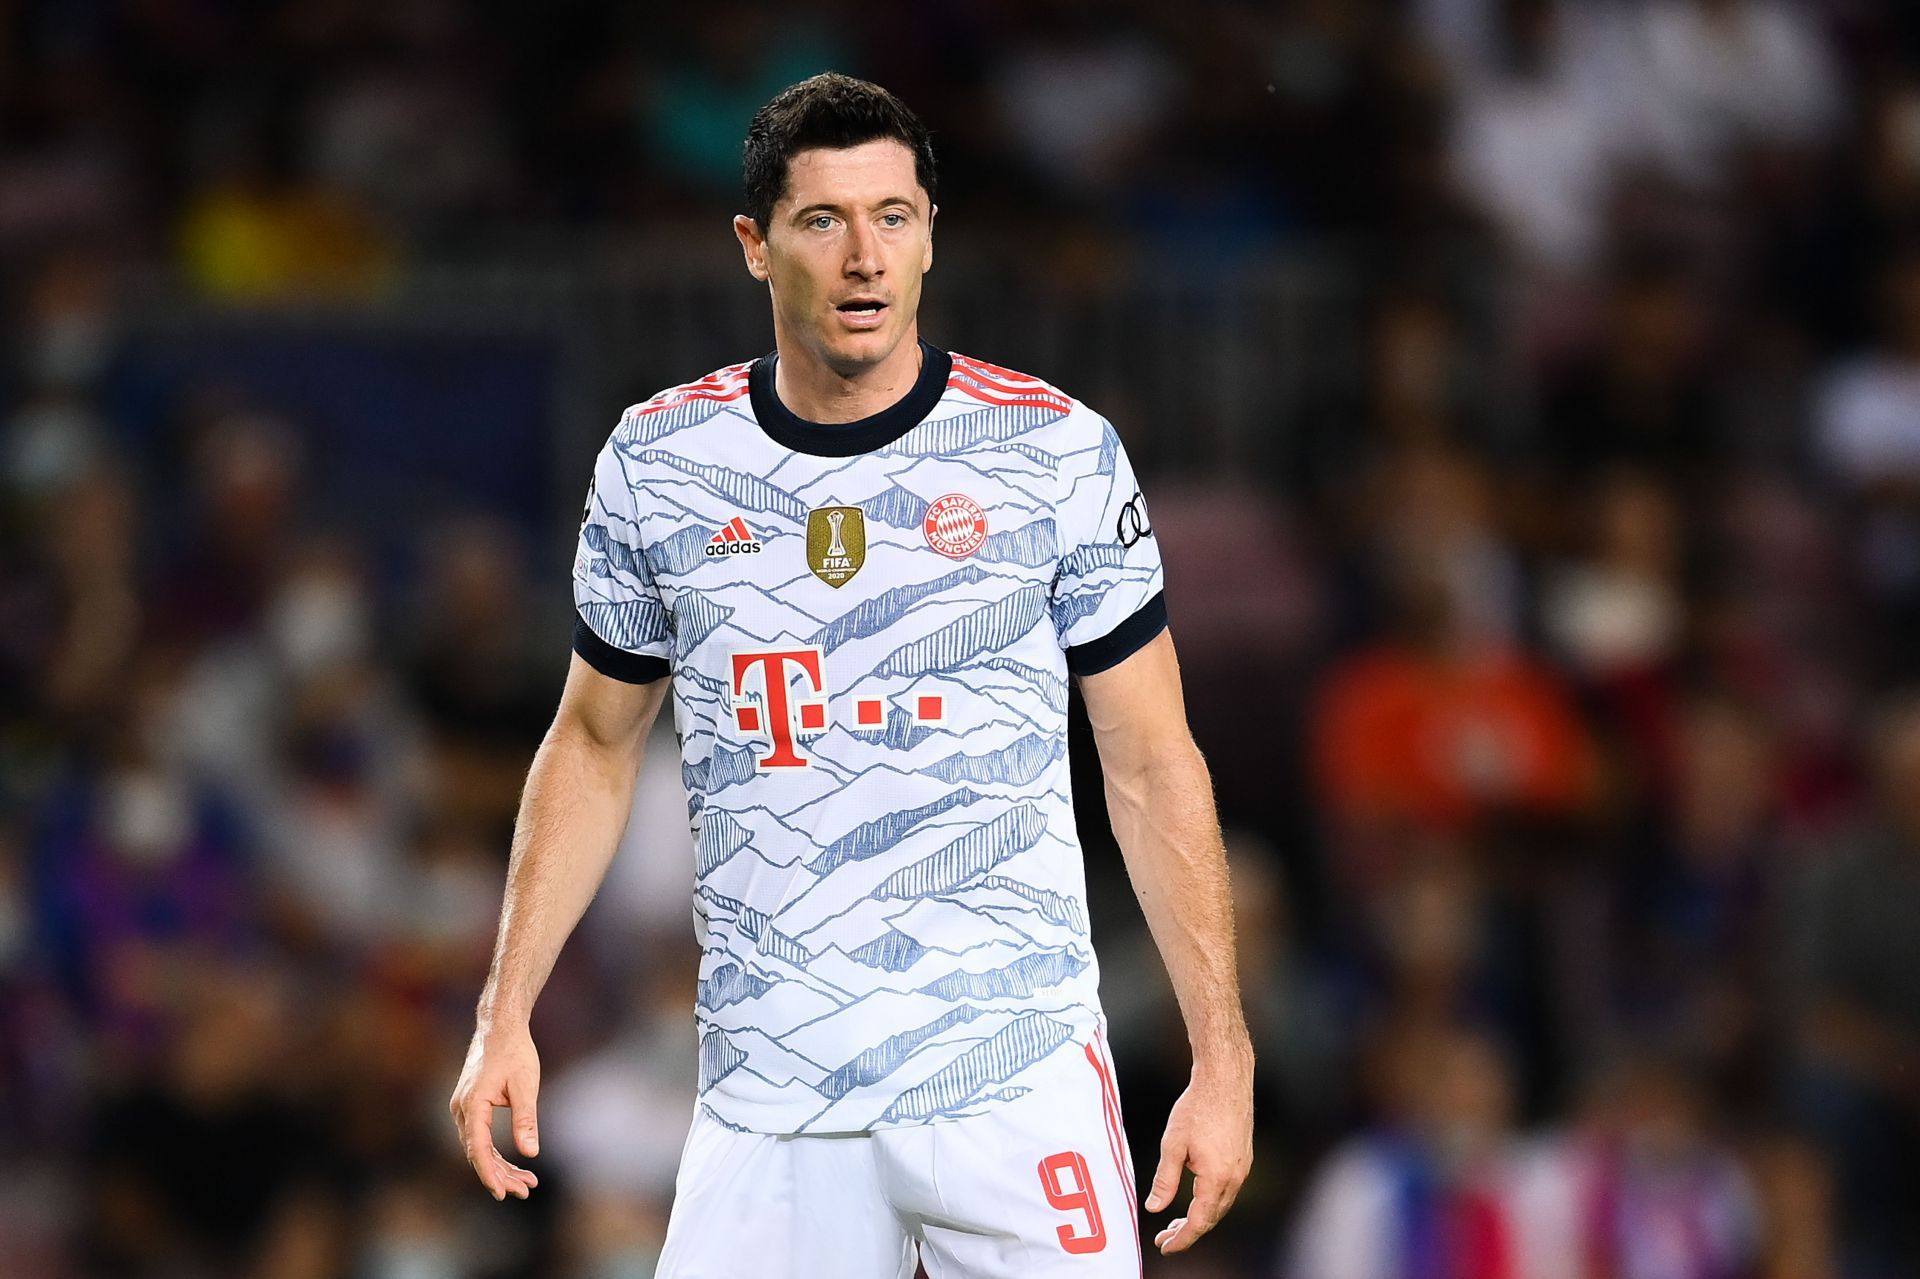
(718, 1057)
(628, 624)
(680, 552)
(699, 616)
(1019, 762)
(727, 766)
(1023, 976)
(1056, 907)
(613, 554)
(881, 1060)
(988, 629)
(1048, 685)
(1025, 1041)
(728, 984)
(871, 838)
(980, 849)
(736, 486)
(883, 610)
(720, 838)
(896, 508)
(931, 868)
(638, 428)
(892, 950)
(969, 430)
(757, 927)
(1031, 544)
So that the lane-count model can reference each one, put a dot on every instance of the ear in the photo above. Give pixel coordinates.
(753, 244)
(926, 259)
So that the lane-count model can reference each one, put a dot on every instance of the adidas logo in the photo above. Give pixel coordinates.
(734, 539)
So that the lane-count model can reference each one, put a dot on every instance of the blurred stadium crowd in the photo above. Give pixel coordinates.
(1559, 677)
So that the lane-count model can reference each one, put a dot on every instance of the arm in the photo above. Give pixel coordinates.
(1160, 801)
(572, 812)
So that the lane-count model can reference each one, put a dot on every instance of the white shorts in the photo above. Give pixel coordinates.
(1041, 1185)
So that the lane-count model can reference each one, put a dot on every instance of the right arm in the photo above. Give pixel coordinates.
(575, 805)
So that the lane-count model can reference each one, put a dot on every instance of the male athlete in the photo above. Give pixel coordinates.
(865, 568)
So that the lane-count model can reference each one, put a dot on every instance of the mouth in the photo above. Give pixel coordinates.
(861, 313)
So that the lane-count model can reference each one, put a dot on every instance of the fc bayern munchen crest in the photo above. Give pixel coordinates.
(956, 526)
(836, 543)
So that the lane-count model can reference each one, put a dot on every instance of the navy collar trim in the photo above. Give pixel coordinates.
(846, 439)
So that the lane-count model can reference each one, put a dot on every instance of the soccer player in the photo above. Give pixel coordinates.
(865, 568)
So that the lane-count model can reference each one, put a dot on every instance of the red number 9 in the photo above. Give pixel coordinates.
(1075, 1198)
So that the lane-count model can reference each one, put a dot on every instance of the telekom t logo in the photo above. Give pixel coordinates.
(765, 704)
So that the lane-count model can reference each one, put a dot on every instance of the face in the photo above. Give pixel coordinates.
(843, 253)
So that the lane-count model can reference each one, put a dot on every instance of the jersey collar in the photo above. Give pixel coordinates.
(845, 439)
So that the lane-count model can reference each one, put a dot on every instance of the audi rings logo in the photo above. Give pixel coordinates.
(1133, 525)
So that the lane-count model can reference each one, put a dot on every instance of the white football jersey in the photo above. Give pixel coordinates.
(869, 628)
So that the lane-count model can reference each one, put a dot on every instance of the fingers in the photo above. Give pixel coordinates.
(526, 1118)
(1166, 1178)
(474, 1120)
(503, 1178)
(1212, 1196)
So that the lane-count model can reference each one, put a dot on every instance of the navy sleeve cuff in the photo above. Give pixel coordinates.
(616, 663)
(1123, 641)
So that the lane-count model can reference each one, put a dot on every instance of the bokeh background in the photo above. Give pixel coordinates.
(1528, 395)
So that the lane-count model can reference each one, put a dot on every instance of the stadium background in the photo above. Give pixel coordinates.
(1529, 401)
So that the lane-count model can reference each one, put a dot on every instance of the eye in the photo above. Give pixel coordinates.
(821, 221)
(894, 219)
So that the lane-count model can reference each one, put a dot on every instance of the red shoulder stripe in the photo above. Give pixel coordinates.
(970, 378)
(1005, 375)
(688, 399)
(1058, 404)
(720, 386)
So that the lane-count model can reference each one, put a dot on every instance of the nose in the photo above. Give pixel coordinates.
(863, 251)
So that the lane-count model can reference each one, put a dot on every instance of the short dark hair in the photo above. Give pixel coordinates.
(829, 110)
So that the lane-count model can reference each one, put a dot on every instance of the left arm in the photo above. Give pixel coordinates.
(1160, 802)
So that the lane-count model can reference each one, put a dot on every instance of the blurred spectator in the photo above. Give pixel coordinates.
(621, 1114)
(410, 131)
(199, 1166)
(76, 608)
(1537, 142)
(1441, 726)
(1867, 421)
(216, 587)
(1639, 1189)
(1618, 609)
(140, 872)
(1868, 416)
(1724, 77)
(1079, 95)
(1429, 1191)
(1698, 911)
(1856, 959)
(728, 59)
(1640, 396)
(484, 691)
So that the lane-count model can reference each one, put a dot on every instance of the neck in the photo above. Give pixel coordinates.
(815, 391)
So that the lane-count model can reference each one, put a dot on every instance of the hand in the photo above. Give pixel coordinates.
(1211, 1132)
(502, 1070)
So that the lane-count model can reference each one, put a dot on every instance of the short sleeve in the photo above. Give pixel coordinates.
(621, 627)
(1108, 592)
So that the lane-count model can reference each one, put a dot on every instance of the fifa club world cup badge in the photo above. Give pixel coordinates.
(836, 543)
(956, 526)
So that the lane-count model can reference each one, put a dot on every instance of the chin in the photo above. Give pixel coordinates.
(852, 351)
